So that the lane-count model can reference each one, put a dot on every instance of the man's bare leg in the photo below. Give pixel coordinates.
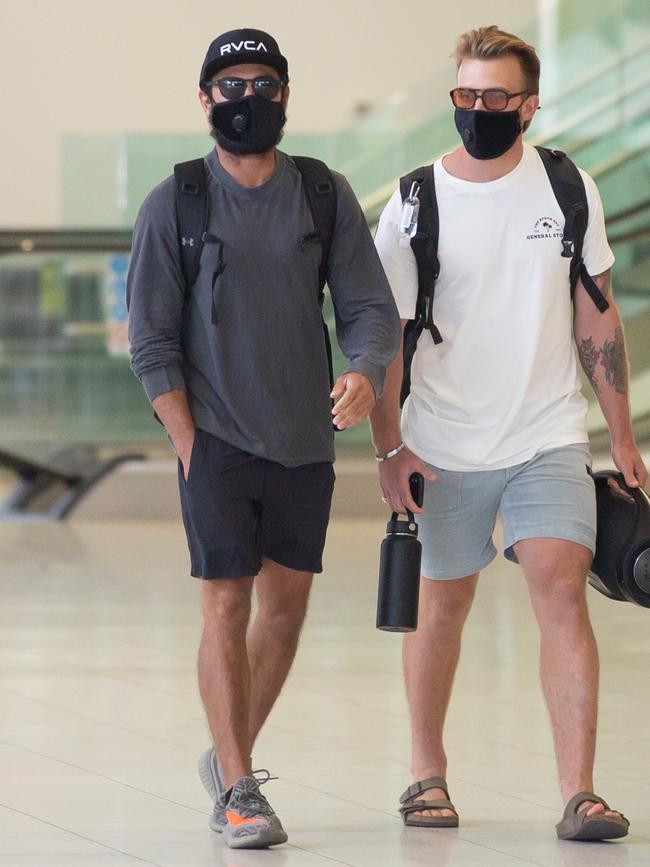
(282, 599)
(240, 676)
(224, 673)
(430, 657)
(556, 571)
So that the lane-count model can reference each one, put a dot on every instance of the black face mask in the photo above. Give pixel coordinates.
(250, 125)
(487, 135)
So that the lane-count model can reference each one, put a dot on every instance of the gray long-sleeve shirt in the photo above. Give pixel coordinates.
(251, 354)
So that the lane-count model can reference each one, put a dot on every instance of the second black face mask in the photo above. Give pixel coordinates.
(250, 125)
(487, 135)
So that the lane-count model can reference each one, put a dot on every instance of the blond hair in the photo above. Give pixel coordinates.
(485, 43)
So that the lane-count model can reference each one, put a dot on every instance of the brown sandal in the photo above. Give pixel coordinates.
(579, 826)
(410, 805)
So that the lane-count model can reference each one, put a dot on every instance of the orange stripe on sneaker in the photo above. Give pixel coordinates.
(236, 819)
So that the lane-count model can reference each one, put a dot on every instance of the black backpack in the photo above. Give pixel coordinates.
(192, 215)
(569, 190)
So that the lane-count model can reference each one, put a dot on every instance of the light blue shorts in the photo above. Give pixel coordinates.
(552, 495)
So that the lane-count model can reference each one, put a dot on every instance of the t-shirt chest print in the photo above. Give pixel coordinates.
(545, 227)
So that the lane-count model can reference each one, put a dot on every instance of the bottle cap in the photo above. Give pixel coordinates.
(395, 527)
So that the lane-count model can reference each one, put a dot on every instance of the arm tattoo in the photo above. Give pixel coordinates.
(611, 355)
(612, 358)
(589, 359)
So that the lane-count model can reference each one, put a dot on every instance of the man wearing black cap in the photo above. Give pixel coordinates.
(236, 368)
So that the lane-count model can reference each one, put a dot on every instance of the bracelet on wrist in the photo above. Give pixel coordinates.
(390, 454)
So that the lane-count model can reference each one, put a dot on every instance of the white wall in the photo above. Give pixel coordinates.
(85, 66)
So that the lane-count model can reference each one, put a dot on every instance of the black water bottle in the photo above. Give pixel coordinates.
(399, 576)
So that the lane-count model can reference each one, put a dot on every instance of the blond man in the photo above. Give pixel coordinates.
(496, 422)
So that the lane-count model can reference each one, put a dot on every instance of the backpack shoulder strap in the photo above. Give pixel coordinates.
(569, 190)
(191, 216)
(425, 249)
(320, 190)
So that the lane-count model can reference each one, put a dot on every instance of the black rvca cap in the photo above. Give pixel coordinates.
(243, 46)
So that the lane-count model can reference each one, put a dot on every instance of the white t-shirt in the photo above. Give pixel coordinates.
(503, 385)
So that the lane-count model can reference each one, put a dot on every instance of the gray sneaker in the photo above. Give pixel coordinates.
(212, 780)
(251, 822)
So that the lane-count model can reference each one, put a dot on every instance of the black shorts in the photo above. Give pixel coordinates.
(238, 508)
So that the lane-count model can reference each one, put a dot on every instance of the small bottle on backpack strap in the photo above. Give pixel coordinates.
(409, 222)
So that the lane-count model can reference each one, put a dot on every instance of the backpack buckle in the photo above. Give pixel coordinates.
(324, 188)
(310, 238)
(188, 187)
(567, 248)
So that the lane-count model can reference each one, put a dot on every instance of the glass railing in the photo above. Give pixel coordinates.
(64, 372)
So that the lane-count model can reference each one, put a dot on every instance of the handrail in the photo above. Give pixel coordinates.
(633, 235)
(598, 71)
(594, 108)
(65, 241)
(604, 168)
(626, 213)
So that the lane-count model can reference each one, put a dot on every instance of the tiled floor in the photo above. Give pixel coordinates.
(100, 724)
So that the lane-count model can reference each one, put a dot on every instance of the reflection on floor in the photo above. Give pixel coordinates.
(100, 724)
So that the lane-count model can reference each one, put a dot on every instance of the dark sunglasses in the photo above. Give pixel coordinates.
(494, 98)
(234, 88)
